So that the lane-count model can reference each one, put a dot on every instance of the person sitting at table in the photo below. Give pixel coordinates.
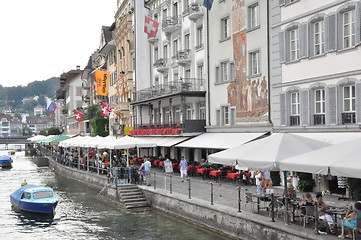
(321, 208)
(306, 201)
(261, 190)
(291, 192)
(350, 221)
(204, 164)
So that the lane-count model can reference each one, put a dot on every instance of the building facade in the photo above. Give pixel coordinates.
(312, 87)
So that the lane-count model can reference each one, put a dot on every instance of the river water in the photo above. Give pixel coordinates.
(79, 215)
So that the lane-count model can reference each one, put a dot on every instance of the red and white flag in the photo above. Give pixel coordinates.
(106, 109)
(78, 116)
(150, 26)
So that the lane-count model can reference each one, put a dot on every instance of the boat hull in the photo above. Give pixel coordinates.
(6, 165)
(24, 199)
(5, 161)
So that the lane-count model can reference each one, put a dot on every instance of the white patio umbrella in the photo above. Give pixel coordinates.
(37, 138)
(126, 143)
(266, 153)
(338, 160)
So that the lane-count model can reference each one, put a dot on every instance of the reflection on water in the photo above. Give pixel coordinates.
(79, 215)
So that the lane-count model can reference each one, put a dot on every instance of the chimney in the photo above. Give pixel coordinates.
(77, 67)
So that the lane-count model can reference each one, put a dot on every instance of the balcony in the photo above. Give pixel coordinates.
(121, 107)
(195, 11)
(294, 120)
(169, 88)
(183, 56)
(171, 24)
(153, 39)
(161, 64)
(188, 126)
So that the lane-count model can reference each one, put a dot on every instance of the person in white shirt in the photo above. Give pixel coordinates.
(183, 168)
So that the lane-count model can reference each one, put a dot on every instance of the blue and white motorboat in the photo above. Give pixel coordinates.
(5, 161)
(32, 198)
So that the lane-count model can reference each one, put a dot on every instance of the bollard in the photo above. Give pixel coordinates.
(211, 193)
(239, 199)
(154, 181)
(189, 187)
(272, 207)
(286, 210)
(170, 183)
(316, 219)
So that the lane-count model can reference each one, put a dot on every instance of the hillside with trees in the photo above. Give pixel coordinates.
(13, 96)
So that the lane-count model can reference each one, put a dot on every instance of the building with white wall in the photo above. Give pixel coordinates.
(315, 73)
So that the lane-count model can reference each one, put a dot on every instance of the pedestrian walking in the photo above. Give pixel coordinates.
(183, 168)
(147, 168)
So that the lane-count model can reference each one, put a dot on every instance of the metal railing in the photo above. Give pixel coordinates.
(184, 84)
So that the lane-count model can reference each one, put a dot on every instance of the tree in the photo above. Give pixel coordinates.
(29, 105)
(18, 116)
(42, 101)
(54, 131)
(27, 131)
(43, 132)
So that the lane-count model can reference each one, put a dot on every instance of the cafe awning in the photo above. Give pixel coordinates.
(219, 140)
(331, 137)
(266, 153)
(166, 141)
(338, 160)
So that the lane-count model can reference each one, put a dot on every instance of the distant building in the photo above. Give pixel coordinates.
(38, 110)
(5, 125)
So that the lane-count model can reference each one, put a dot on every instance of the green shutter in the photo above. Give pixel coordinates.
(358, 102)
(311, 39)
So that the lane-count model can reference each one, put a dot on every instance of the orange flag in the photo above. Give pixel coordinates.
(102, 82)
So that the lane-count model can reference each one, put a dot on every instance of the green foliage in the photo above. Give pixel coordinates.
(43, 132)
(354, 185)
(18, 116)
(306, 182)
(14, 95)
(42, 101)
(27, 131)
(54, 131)
(29, 105)
(93, 112)
(276, 179)
(98, 126)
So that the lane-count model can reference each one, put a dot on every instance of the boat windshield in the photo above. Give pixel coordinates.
(43, 194)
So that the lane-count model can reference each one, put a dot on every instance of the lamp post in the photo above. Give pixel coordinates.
(115, 128)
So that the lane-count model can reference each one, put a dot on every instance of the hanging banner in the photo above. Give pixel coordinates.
(101, 82)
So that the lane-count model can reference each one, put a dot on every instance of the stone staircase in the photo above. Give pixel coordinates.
(132, 197)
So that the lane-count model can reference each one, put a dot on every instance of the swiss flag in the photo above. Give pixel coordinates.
(78, 116)
(106, 109)
(150, 26)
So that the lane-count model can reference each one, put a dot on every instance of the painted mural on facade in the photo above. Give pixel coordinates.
(249, 96)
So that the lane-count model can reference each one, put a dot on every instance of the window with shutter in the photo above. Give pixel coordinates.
(318, 37)
(233, 115)
(294, 44)
(348, 29)
(319, 107)
(295, 109)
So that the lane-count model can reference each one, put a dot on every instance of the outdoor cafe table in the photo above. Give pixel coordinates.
(337, 211)
(203, 171)
(161, 164)
(233, 175)
(216, 173)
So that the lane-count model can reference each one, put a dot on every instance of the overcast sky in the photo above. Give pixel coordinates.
(41, 39)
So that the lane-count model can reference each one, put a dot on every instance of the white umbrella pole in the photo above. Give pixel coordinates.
(110, 158)
(128, 158)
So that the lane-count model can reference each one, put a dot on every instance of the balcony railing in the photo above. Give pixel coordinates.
(319, 119)
(195, 11)
(195, 125)
(183, 85)
(295, 120)
(161, 64)
(349, 118)
(182, 56)
(170, 24)
(153, 39)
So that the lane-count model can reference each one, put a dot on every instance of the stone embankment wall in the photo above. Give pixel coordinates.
(224, 220)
